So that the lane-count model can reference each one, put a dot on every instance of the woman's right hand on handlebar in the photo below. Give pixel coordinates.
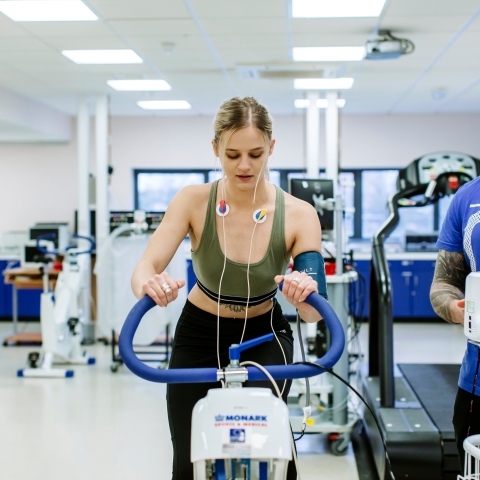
(162, 288)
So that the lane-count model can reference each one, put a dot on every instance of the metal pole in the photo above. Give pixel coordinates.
(313, 142)
(337, 292)
(338, 221)
(331, 138)
(83, 152)
(102, 211)
(313, 133)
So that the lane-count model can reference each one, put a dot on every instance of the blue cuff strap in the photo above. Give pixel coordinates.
(312, 264)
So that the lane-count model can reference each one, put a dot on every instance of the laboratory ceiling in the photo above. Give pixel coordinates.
(207, 50)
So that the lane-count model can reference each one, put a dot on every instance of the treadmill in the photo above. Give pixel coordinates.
(413, 402)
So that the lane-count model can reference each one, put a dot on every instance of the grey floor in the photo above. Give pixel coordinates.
(105, 426)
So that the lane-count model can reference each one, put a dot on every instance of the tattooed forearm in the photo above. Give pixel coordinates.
(233, 308)
(441, 295)
(448, 285)
(451, 268)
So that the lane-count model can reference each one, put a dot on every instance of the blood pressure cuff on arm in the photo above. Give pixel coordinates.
(312, 264)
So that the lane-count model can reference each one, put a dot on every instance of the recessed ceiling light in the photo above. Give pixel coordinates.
(102, 56)
(323, 83)
(164, 105)
(321, 103)
(337, 8)
(47, 11)
(139, 85)
(328, 54)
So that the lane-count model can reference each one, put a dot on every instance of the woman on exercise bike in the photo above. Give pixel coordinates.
(243, 232)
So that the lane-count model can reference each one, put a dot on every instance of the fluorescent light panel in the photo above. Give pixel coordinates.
(323, 83)
(164, 105)
(102, 56)
(336, 8)
(321, 103)
(328, 54)
(47, 11)
(139, 85)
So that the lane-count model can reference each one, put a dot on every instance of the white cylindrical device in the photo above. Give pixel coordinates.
(471, 323)
(241, 427)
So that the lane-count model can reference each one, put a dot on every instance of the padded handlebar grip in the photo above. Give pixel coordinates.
(202, 375)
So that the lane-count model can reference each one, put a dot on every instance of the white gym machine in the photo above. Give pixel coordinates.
(61, 314)
(129, 235)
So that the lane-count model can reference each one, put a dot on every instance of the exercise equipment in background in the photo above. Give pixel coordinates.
(61, 313)
(121, 252)
(414, 402)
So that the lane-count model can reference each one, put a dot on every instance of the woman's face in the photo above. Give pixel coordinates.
(243, 156)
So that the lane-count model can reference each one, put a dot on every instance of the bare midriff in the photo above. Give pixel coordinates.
(200, 300)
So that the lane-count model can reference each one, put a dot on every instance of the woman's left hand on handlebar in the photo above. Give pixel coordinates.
(162, 288)
(297, 286)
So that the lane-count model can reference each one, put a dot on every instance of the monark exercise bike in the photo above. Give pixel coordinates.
(238, 433)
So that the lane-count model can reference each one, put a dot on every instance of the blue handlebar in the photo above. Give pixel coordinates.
(53, 236)
(235, 350)
(202, 375)
(92, 243)
(46, 236)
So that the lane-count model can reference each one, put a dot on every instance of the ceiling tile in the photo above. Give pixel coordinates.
(155, 27)
(138, 9)
(245, 26)
(67, 29)
(266, 9)
(432, 7)
(86, 43)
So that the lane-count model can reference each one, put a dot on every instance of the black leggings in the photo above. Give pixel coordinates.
(195, 346)
(462, 419)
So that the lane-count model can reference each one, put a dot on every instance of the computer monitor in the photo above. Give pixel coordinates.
(306, 188)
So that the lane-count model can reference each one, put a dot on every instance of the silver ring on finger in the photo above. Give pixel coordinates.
(166, 288)
(296, 279)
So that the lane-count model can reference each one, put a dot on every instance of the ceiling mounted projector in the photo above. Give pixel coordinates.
(387, 46)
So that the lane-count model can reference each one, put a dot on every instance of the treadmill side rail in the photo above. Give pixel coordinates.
(414, 443)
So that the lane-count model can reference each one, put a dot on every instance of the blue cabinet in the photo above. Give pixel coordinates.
(28, 300)
(422, 280)
(401, 274)
(411, 280)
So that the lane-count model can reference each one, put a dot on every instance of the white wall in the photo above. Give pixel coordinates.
(396, 140)
(38, 181)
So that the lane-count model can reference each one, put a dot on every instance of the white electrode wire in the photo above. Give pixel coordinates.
(224, 265)
(274, 383)
(250, 256)
(219, 292)
(281, 348)
(248, 282)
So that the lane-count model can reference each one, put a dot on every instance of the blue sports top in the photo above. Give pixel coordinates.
(461, 233)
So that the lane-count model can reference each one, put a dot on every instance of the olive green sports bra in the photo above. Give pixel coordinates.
(208, 261)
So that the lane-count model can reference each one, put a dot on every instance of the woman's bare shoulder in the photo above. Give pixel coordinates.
(194, 194)
(298, 209)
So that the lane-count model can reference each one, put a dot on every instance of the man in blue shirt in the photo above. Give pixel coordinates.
(459, 254)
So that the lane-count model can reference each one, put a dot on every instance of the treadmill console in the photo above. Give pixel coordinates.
(429, 167)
